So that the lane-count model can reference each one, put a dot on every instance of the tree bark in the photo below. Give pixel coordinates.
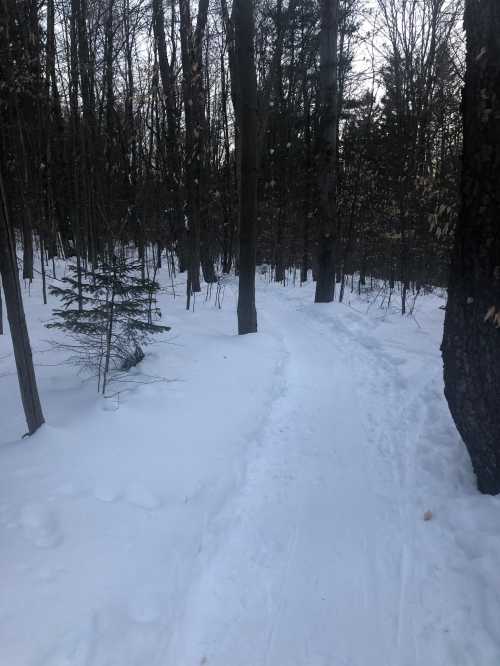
(195, 140)
(325, 284)
(17, 320)
(1, 310)
(471, 342)
(246, 114)
(168, 82)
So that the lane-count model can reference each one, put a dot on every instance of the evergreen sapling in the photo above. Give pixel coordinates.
(112, 319)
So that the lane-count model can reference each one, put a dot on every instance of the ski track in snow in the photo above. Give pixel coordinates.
(276, 520)
(317, 477)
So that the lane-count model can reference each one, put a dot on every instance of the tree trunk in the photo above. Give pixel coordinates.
(42, 267)
(17, 321)
(27, 244)
(471, 343)
(246, 115)
(207, 264)
(325, 284)
(1, 310)
(195, 135)
(110, 331)
(168, 82)
(76, 148)
(227, 208)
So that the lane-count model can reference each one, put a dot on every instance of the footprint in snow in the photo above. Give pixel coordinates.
(140, 496)
(48, 574)
(41, 526)
(105, 493)
(75, 648)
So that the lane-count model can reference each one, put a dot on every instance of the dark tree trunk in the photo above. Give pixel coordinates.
(246, 114)
(168, 81)
(304, 265)
(17, 321)
(471, 343)
(75, 145)
(207, 265)
(27, 245)
(307, 204)
(1, 310)
(325, 284)
(42, 270)
(195, 135)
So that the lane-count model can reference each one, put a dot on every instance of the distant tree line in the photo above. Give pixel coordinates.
(118, 121)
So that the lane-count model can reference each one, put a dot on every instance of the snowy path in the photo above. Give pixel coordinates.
(321, 546)
(264, 508)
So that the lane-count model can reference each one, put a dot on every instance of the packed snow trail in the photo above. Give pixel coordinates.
(327, 562)
(264, 507)
(320, 546)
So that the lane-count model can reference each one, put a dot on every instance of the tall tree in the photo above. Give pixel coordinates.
(168, 81)
(246, 114)
(471, 343)
(18, 63)
(17, 320)
(327, 151)
(196, 128)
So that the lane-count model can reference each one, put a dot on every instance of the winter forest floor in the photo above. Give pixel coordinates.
(263, 506)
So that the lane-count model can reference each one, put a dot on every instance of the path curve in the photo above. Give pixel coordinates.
(317, 568)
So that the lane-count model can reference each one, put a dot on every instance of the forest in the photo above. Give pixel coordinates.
(322, 178)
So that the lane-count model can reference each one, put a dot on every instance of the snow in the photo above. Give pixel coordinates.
(263, 501)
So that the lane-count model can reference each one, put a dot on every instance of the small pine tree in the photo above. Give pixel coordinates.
(109, 315)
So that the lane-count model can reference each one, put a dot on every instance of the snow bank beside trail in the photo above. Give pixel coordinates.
(459, 549)
(108, 513)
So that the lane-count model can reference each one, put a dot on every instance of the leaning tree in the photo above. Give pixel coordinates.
(17, 320)
(471, 343)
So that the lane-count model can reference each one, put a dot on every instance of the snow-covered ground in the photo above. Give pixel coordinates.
(263, 505)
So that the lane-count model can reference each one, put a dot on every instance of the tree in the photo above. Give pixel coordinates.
(195, 138)
(416, 75)
(119, 124)
(19, 60)
(17, 320)
(166, 68)
(327, 153)
(117, 319)
(246, 114)
(471, 342)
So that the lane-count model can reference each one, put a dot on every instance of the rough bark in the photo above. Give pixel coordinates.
(1, 310)
(246, 114)
(194, 111)
(471, 343)
(327, 157)
(17, 321)
(168, 82)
